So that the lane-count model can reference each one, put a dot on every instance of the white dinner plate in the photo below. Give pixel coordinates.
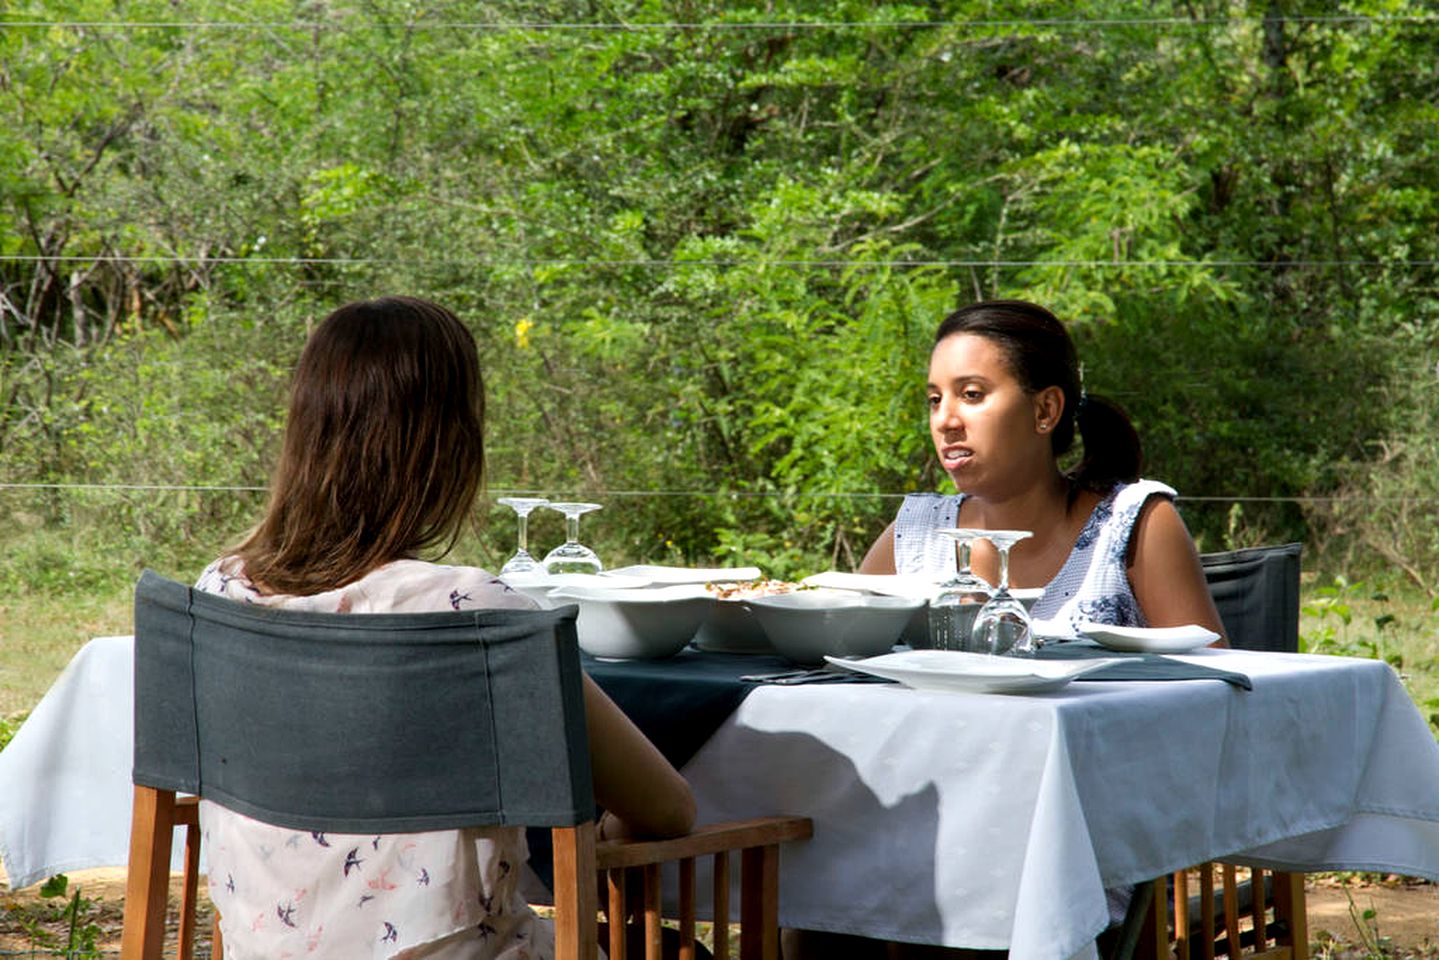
(657, 574)
(954, 670)
(1149, 639)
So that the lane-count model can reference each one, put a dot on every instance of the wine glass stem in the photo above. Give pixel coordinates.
(964, 546)
(572, 527)
(524, 531)
(1003, 569)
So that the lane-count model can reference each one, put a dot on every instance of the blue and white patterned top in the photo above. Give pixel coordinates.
(1093, 584)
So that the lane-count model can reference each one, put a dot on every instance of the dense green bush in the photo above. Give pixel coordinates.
(703, 263)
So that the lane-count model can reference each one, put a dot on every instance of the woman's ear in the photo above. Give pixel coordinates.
(1048, 408)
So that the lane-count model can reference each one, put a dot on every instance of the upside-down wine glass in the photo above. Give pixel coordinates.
(954, 607)
(522, 562)
(1002, 627)
(573, 556)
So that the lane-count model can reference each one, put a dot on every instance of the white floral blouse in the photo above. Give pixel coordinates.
(450, 895)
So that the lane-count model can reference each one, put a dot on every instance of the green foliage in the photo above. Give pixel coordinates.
(1333, 606)
(707, 261)
(8, 728)
(1366, 923)
(75, 915)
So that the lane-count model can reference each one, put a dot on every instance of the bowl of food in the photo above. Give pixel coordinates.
(623, 623)
(809, 625)
(731, 626)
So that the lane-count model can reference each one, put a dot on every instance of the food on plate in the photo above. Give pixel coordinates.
(749, 589)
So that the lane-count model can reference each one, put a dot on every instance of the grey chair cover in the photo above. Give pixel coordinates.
(361, 723)
(1257, 593)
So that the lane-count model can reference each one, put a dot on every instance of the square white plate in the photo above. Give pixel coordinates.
(954, 670)
(1149, 639)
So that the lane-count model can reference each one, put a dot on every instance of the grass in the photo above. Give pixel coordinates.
(1383, 621)
(40, 633)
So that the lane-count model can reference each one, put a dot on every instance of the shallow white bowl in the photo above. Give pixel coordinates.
(809, 625)
(629, 624)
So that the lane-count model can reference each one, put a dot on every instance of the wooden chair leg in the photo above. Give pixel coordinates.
(654, 921)
(1289, 907)
(1231, 910)
(759, 903)
(1182, 936)
(1207, 933)
(617, 912)
(576, 899)
(1258, 908)
(1153, 943)
(721, 905)
(217, 942)
(687, 909)
(147, 886)
(187, 812)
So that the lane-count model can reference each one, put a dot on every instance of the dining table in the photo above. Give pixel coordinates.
(955, 817)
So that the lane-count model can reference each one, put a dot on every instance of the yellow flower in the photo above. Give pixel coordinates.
(522, 333)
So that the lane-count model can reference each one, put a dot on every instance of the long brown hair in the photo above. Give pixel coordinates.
(383, 449)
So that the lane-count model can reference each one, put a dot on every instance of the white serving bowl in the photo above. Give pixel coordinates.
(629, 624)
(810, 624)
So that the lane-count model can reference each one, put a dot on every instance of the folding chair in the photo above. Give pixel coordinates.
(469, 719)
(1257, 594)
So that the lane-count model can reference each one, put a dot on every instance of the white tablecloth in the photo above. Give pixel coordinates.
(963, 819)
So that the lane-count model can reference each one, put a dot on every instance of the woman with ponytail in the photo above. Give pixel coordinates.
(1006, 402)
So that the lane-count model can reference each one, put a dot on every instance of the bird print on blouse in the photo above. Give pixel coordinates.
(443, 894)
(352, 861)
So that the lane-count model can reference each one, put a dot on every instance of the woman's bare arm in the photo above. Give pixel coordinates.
(1165, 572)
(880, 558)
(643, 795)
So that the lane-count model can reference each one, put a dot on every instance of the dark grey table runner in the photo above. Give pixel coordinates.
(1139, 666)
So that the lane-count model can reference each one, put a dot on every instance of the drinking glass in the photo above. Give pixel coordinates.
(1002, 627)
(522, 562)
(953, 609)
(573, 556)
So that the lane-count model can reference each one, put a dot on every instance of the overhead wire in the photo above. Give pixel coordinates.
(1067, 23)
(680, 263)
(696, 494)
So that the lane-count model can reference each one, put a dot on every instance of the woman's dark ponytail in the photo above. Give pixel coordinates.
(1112, 453)
(1041, 354)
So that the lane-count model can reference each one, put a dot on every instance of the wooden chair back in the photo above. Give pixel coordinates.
(476, 718)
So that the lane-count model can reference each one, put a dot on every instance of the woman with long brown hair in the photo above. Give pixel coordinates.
(381, 463)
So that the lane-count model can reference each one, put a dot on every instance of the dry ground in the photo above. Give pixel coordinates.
(1406, 914)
